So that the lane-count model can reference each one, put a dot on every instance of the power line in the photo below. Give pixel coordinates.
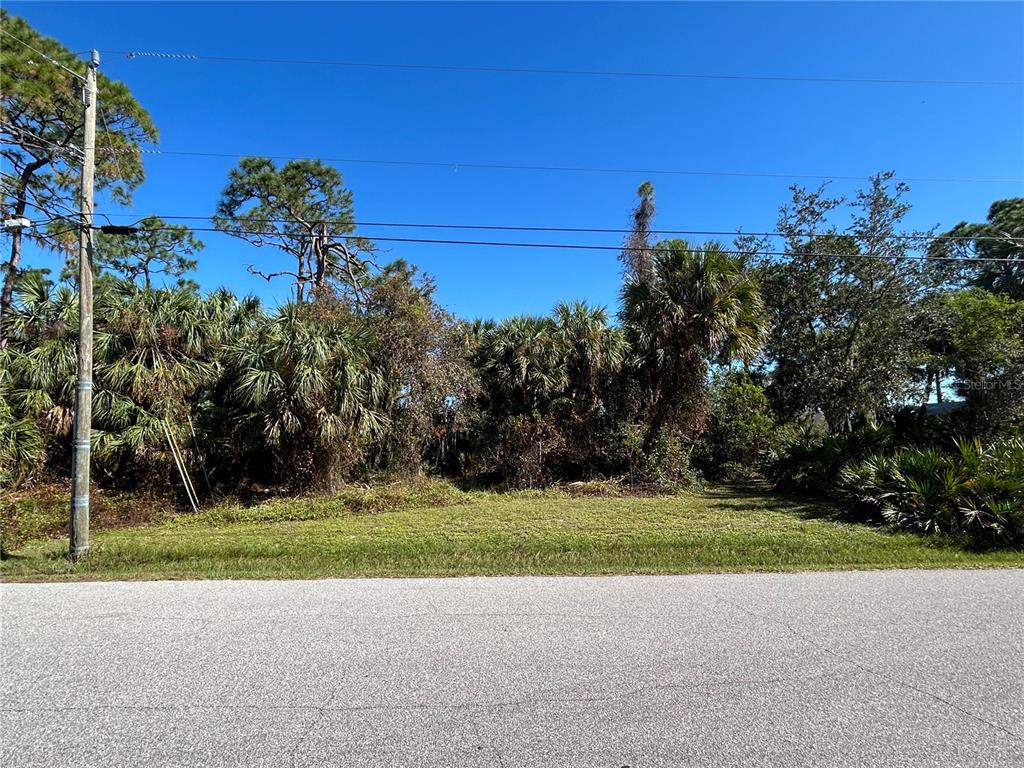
(456, 165)
(617, 248)
(546, 71)
(39, 201)
(110, 145)
(58, 149)
(589, 230)
(45, 56)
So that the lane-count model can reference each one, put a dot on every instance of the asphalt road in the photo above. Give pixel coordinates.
(909, 668)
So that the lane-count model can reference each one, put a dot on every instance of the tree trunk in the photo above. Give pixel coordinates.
(658, 419)
(927, 391)
(11, 271)
(10, 274)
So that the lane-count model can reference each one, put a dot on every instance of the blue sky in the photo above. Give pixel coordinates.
(713, 125)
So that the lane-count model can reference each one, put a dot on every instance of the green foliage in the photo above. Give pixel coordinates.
(152, 357)
(542, 410)
(814, 460)
(41, 359)
(975, 490)
(21, 442)
(667, 465)
(699, 304)
(425, 374)
(742, 438)
(843, 339)
(300, 383)
(303, 209)
(986, 353)
(364, 375)
(1000, 237)
(41, 114)
(157, 248)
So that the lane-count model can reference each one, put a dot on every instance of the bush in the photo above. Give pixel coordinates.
(669, 465)
(40, 511)
(22, 447)
(742, 437)
(975, 490)
(416, 493)
(813, 461)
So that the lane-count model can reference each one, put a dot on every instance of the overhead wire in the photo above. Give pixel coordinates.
(555, 71)
(110, 144)
(135, 54)
(583, 230)
(45, 56)
(39, 202)
(456, 165)
(616, 248)
(60, 149)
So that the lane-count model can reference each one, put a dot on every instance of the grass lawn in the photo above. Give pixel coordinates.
(454, 533)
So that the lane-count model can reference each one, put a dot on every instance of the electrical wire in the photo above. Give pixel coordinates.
(617, 248)
(589, 230)
(110, 144)
(45, 56)
(523, 228)
(456, 165)
(547, 71)
(60, 149)
(40, 203)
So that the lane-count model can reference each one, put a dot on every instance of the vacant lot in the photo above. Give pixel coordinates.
(453, 533)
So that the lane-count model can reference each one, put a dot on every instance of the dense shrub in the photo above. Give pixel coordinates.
(814, 460)
(986, 341)
(21, 443)
(41, 511)
(542, 412)
(302, 385)
(742, 437)
(976, 489)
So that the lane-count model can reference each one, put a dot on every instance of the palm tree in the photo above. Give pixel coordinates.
(155, 353)
(521, 362)
(592, 349)
(636, 254)
(40, 366)
(304, 386)
(154, 350)
(699, 304)
(21, 442)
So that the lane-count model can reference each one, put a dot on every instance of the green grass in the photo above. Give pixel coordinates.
(448, 533)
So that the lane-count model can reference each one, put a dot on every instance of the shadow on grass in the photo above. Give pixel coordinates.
(759, 496)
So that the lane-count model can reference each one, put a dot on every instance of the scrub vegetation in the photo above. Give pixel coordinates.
(810, 362)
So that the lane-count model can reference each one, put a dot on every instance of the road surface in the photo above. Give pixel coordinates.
(911, 668)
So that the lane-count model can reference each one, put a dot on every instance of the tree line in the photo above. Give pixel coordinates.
(762, 355)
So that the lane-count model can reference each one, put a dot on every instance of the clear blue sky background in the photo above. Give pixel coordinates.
(826, 128)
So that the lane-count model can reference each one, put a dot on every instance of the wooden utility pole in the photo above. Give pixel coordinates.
(79, 533)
